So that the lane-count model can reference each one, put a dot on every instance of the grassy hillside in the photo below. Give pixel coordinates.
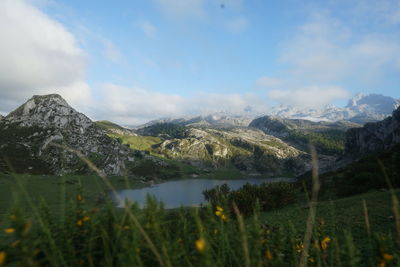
(106, 125)
(143, 143)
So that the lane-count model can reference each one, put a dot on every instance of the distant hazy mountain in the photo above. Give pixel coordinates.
(218, 120)
(360, 109)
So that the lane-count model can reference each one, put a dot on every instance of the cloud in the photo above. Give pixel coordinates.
(149, 29)
(313, 96)
(38, 55)
(134, 105)
(237, 25)
(178, 9)
(110, 51)
(325, 49)
(268, 82)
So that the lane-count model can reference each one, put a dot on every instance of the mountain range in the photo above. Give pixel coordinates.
(360, 109)
(269, 145)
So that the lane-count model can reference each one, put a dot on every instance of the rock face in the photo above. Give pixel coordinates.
(28, 132)
(374, 137)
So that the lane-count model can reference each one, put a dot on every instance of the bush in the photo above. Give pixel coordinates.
(267, 196)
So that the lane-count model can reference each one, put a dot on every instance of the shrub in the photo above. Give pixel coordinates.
(267, 196)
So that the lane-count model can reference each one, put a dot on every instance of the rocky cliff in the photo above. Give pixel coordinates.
(374, 137)
(28, 132)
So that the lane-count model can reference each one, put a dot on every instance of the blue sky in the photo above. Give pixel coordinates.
(131, 61)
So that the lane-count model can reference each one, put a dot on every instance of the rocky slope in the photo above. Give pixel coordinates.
(28, 132)
(249, 150)
(374, 137)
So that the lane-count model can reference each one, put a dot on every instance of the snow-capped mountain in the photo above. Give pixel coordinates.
(361, 108)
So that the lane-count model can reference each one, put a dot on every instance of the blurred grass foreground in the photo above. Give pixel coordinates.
(70, 221)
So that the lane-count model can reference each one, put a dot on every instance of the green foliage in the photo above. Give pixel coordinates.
(153, 236)
(373, 171)
(267, 196)
(329, 142)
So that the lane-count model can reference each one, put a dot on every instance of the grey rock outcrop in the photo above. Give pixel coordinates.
(374, 137)
(32, 128)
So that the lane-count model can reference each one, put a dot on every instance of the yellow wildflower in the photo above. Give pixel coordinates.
(200, 245)
(9, 230)
(311, 260)
(325, 242)
(268, 255)
(220, 209)
(224, 218)
(218, 213)
(125, 227)
(86, 218)
(79, 197)
(3, 257)
(299, 247)
(79, 223)
(387, 257)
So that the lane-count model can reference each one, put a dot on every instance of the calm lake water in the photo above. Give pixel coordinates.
(188, 192)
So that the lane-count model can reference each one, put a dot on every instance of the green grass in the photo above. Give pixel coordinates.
(143, 143)
(67, 231)
(55, 190)
(70, 232)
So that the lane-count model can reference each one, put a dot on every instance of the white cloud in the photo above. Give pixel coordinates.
(134, 105)
(237, 25)
(268, 82)
(326, 50)
(38, 55)
(313, 96)
(149, 29)
(179, 9)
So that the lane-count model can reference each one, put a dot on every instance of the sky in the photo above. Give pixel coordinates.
(133, 61)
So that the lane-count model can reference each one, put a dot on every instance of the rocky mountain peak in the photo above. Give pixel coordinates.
(28, 132)
(49, 110)
(373, 103)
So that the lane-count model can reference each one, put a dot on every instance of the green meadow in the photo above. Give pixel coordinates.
(68, 220)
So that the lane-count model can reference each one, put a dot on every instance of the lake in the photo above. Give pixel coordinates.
(186, 193)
